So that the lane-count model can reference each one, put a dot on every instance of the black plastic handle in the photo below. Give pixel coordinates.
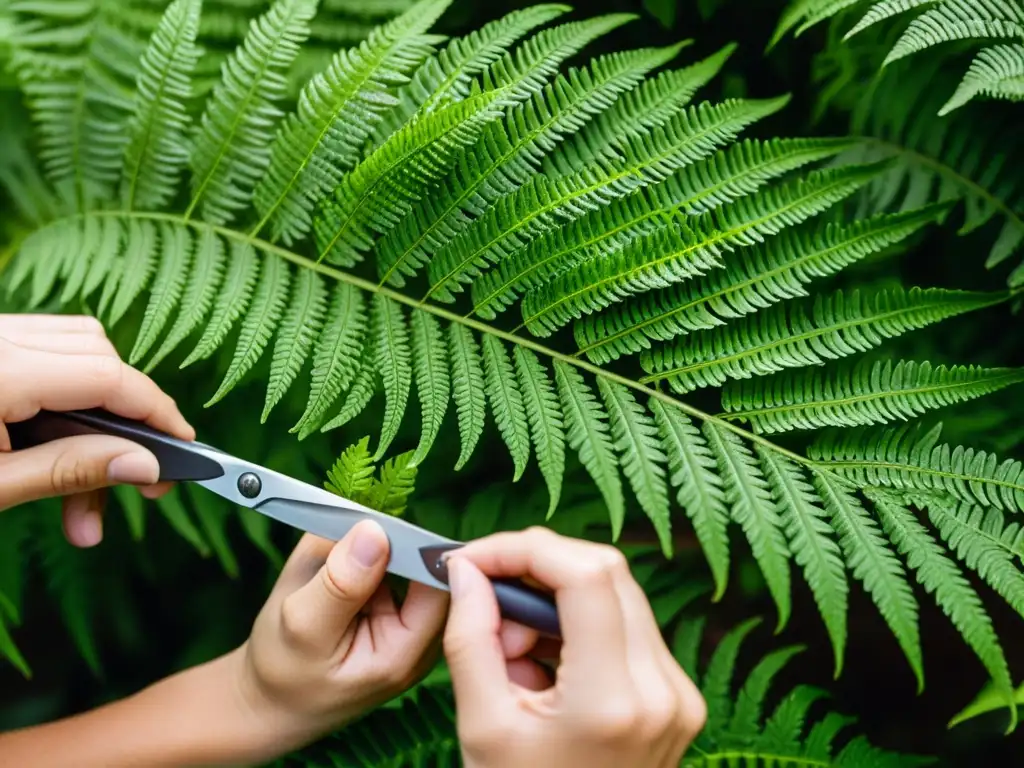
(517, 601)
(179, 461)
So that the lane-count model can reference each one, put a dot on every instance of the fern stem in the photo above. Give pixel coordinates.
(451, 317)
(911, 468)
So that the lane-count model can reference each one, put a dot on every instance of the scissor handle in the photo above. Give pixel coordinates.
(178, 459)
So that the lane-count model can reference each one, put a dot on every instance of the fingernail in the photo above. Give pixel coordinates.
(134, 469)
(368, 547)
(86, 528)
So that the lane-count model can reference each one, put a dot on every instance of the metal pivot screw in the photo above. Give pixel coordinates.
(250, 485)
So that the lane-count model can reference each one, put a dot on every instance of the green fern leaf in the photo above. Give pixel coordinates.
(959, 20)
(174, 262)
(364, 386)
(642, 457)
(336, 356)
(983, 542)
(638, 110)
(351, 477)
(746, 717)
(235, 298)
(336, 112)
(676, 252)
(467, 388)
(432, 379)
(261, 318)
(868, 393)
(872, 562)
(812, 545)
(692, 470)
(506, 402)
(789, 336)
(142, 247)
(506, 156)
(909, 458)
(299, 328)
(204, 281)
(940, 576)
(996, 72)
(232, 149)
(546, 423)
(587, 433)
(544, 203)
(718, 677)
(769, 272)
(390, 494)
(751, 505)
(783, 730)
(394, 361)
(156, 150)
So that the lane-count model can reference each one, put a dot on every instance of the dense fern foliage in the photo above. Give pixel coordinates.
(997, 71)
(496, 233)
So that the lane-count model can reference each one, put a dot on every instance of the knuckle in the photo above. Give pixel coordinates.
(105, 371)
(616, 720)
(693, 714)
(88, 324)
(72, 472)
(607, 564)
(483, 737)
(296, 628)
(661, 714)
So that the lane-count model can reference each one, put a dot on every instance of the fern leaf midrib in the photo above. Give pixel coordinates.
(866, 464)
(949, 171)
(634, 170)
(833, 402)
(795, 339)
(266, 247)
(717, 237)
(242, 110)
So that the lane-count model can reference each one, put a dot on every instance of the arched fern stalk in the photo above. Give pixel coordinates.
(447, 216)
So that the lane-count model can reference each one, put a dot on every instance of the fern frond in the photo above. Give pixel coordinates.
(545, 203)
(695, 189)
(394, 361)
(940, 576)
(430, 362)
(701, 494)
(996, 72)
(231, 151)
(867, 393)
(790, 336)
(642, 457)
(336, 111)
(675, 253)
(506, 402)
(507, 155)
(751, 505)
(390, 494)
(588, 433)
(812, 544)
(910, 458)
(769, 272)
(547, 426)
(467, 388)
(872, 563)
(352, 474)
(959, 20)
(156, 149)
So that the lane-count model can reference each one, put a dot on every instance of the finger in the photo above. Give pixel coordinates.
(83, 518)
(517, 640)
(83, 324)
(32, 380)
(317, 615)
(529, 674)
(472, 646)
(156, 491)
(62, 343)
(74, 465)
(582, 576)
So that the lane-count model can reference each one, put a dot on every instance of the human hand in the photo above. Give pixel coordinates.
(330, 644)
(63, 363)
(619, 697)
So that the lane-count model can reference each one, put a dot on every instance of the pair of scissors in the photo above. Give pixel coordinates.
(415, 553)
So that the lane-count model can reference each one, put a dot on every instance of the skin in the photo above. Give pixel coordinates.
(330, 643)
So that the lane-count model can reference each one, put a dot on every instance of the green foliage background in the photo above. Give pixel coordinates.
(173, 586)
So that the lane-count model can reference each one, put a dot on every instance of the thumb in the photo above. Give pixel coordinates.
(74, 465)
(472, 642)
(318, 614)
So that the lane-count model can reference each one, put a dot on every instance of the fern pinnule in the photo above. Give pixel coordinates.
(995, 73)
(868, 393)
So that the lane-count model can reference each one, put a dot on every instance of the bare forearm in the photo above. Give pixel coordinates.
(198, 717)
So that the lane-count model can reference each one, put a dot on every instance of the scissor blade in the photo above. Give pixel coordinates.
(333, 522)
